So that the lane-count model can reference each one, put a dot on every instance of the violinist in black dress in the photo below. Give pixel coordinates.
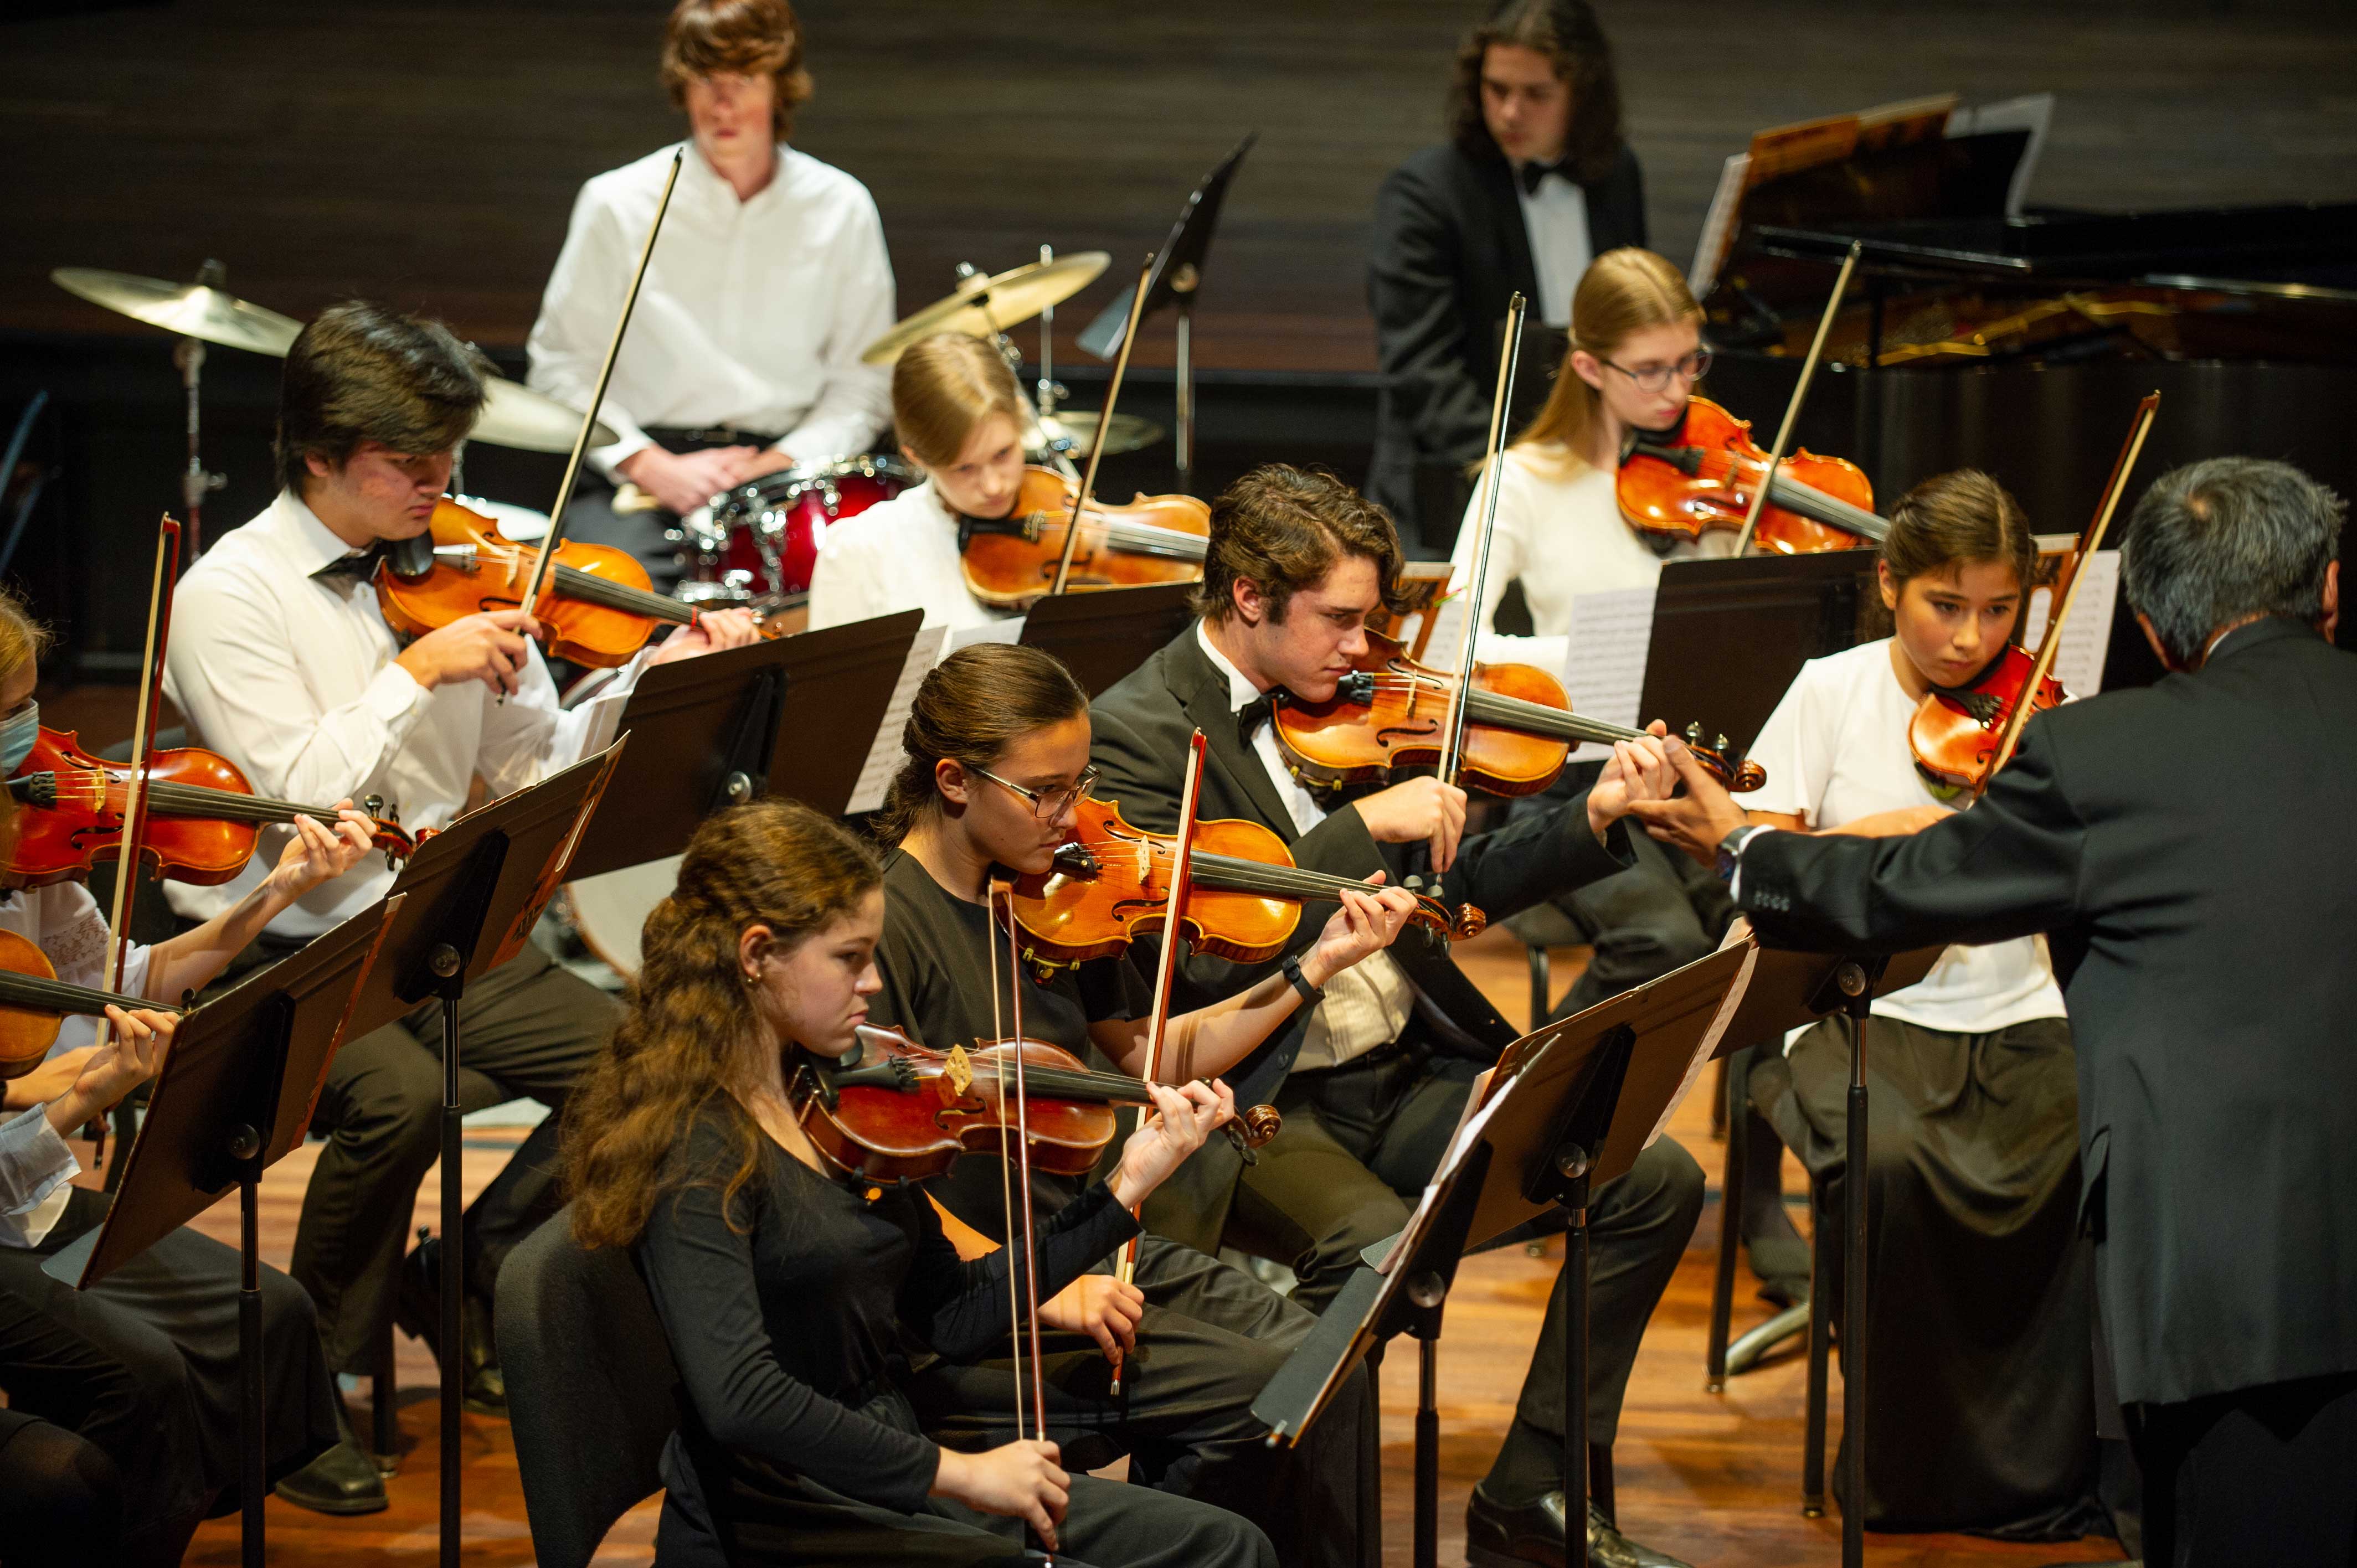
(796, 1299)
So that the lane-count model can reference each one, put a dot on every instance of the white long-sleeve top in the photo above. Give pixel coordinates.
(294, 681)
(753, 315)
(900, 555)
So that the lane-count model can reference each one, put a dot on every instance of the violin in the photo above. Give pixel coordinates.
(202, 815)
(600, 606)
(1110, 886)
(1392, 714)
(1011, 561)
(1704, 475)
(33, 1001)
(1956, 730)
(896, 1111)
(1961, 737)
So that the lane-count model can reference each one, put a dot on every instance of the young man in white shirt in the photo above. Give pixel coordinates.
(768, 281)
(281, 661)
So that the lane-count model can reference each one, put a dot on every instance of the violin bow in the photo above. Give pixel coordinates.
(134, 783)
(1453, 742)
(1166, 966)
(2089, 543)
(1104, 424)
(547, 554)
(1800, 392)
(1000, 887)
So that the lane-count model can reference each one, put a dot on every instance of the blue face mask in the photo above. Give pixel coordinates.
(17, 732)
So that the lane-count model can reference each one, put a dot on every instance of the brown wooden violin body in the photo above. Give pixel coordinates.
(598, 607)
(33, 1002)
(896, 1111)
(1392, 714)
(202, 815)
(1010, 562)
(1112, 885)
(1956, 730)
(1702, 476)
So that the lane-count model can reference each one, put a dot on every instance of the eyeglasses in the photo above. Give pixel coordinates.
(1047, 804)
(1656, 378)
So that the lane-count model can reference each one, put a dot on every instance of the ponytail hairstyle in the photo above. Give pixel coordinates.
(680, 1047)
(1958, 520)
(973, 706)
(1623, 293)
(943, 387)
(23, 639)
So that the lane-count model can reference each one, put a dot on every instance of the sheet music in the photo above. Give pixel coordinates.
(1007, 629)
(2087, 635)
(603, 715)
(884, 753)
(1741, 932)
(1717, 224)
(1604, 667)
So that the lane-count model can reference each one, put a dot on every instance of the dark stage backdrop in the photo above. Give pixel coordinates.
(427, 156)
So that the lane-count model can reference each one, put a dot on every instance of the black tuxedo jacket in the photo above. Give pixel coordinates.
(1450, 249)
(2191, 849)
(1142, 725)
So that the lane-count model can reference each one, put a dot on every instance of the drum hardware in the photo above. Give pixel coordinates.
(986, 306)
(758, 543)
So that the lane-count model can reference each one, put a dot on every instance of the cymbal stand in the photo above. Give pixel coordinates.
(196, 481)
(1047, 390)
(1183, 283)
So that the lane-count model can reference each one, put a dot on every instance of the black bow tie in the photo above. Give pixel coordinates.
(1531, 174)
(1255, 713)
(358, 567)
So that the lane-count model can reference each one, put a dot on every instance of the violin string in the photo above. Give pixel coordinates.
(1263, 875)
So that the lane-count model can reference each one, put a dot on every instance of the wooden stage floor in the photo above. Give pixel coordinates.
(1711, 1479)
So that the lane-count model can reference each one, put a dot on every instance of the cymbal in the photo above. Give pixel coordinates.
(191, 309)
(515, 415)
(1078, 427)
(983, 305)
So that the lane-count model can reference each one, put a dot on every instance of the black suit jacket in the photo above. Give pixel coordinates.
(1450, 249)
(1142, 725)
(2191, 849)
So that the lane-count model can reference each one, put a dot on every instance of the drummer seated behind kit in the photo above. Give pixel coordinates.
(768, 280)
(1373, 1080)
(282, 662)
(959, 416)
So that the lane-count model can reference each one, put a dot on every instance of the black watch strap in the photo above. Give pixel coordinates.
(1310, 994)
(1730, 849)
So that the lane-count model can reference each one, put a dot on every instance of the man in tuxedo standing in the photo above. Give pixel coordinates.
(1372, 1076)
(2189, 850)
(1534, 183)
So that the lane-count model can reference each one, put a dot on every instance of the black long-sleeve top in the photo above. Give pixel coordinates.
(792, 1326)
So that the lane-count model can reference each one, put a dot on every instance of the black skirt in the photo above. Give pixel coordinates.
(1980, 1401)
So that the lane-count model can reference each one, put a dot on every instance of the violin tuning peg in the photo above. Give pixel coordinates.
(1694, 733)
(1719, 744)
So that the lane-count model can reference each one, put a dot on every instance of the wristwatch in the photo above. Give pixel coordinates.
(1730, 851)
(1310, 996)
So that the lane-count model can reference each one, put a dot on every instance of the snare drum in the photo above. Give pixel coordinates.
(607, 912)
(761, 540)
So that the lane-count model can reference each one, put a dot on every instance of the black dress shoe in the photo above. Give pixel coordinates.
(1501, 1537)
(343, 1480)
(417, 1312)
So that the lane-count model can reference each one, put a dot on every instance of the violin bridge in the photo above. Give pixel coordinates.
(958, 1067)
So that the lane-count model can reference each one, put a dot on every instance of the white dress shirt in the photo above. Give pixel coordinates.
(1555, 218)
(294, 681)
(899, 554)
(64, 922)
(753, 313)
(1369, 1004)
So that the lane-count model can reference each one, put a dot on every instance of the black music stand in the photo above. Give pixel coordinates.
(474, 892)
(838, 682)
(1103, 636)
(1177, 274)
(1785, 990)
(236, 1097)
(1729, 634)
(703, 733)
(1571, 1105)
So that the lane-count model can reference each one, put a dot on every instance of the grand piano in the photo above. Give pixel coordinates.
(2020, 345)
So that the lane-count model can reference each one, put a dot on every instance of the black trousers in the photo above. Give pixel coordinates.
(527, 1029)
(2262, 1476)
(144, 1367)
(1211, 1338)
(60, 1494)
(590, 516)
(1359, 1144)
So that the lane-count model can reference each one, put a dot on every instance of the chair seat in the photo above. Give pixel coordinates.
(1545, 926)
